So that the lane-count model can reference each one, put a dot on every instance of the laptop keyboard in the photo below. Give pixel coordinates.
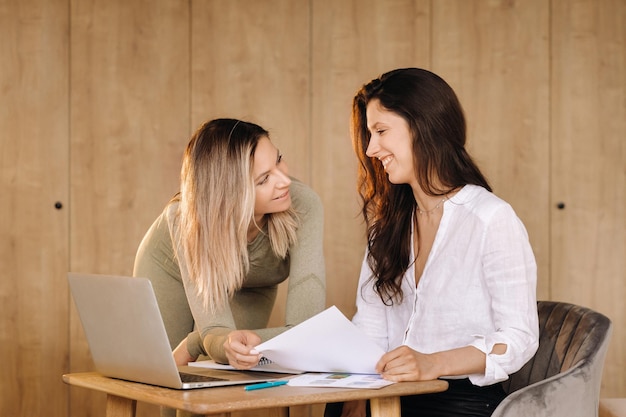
(198, 378)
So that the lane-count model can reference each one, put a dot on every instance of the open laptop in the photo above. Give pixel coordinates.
(127, 337)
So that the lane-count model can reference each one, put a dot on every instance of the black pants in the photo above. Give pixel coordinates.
(462, 398)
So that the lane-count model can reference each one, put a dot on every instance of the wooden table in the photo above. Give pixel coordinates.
(122, 396)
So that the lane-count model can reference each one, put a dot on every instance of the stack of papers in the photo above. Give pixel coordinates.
(265, 365)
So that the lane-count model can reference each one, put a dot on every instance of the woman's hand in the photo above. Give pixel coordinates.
(354, 408)
(181, 354)
(239, 347)
(406, 364)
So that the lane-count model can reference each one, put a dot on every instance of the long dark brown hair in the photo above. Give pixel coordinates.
(437, 124)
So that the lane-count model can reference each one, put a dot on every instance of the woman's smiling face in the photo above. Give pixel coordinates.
(391, 143)
(271, 180)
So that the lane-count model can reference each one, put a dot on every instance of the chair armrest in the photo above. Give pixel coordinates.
(567, 394)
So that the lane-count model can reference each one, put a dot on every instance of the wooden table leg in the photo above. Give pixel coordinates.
(120, 406)
(385, 407)
(278, 412)
(301, 411)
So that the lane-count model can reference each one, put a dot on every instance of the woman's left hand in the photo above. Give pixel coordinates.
(239, 349)
(406, 364)
(181, 354)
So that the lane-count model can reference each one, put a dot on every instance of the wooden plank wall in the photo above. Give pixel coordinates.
(588, 166)
(34, 163)
(99, 98)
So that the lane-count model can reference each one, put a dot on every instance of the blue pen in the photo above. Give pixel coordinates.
(265, 385)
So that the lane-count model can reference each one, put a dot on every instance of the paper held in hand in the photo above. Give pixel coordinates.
(327, 342)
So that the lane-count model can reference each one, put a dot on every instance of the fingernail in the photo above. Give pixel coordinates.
(254, 352)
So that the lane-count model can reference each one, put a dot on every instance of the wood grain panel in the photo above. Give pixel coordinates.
(589, 166)
(129, 125)
(33, 166)
(495, 54)
(353, 42)
(250, 60)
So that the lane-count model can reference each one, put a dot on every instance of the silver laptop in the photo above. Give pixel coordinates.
(127, 337)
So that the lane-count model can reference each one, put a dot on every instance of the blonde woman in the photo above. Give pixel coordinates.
(238, 227)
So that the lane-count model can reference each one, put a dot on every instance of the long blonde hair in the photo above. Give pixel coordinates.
(217, 198)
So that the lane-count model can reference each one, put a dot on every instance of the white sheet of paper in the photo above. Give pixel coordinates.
(327, 342)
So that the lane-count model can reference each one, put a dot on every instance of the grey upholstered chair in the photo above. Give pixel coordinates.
(563, 378)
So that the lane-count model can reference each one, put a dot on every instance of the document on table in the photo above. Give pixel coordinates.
(339, 381)
(327, 342)
(265, 365)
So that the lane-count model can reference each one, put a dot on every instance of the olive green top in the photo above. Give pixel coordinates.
(250, 307)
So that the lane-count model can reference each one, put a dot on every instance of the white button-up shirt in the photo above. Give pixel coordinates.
(478, 288)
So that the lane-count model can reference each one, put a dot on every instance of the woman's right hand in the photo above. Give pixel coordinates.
(239, 349)
(181, 354)
(354, 408)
